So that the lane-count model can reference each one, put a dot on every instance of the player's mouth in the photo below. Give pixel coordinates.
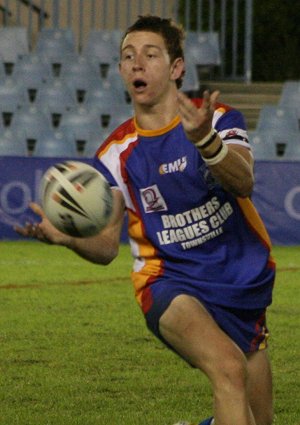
(139, 85)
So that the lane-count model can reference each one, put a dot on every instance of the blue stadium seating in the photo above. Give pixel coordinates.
(290, 93)
(203, 48)
(54, 42)
(12, 97)
(30, 122)
(110, 115)
(14, 44)
(81, 76)
(278, 119)
(81, 125)
(190, 81)
(56, 94)
(93, 143)
(10, 145)
(32, 73)
(103, 47)
(54, 45)
(267, 145)
(55, 144)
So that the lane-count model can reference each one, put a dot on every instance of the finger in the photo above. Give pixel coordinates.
(209, 100)
(28, 230)
(21, 230)
(185, 102)
(214, 98)
(187, 109)
(40, 235)
(37, 209)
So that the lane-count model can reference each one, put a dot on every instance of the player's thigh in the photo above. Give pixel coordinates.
(260, 386)
(192, 332)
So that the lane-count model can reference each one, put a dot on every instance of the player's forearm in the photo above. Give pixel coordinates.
(99, 250)
(231, 165)
(235, 174)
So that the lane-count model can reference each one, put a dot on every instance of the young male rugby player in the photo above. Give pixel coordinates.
(203, 273)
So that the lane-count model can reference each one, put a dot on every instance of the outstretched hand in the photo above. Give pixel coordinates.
(43, 230)
(197, 122)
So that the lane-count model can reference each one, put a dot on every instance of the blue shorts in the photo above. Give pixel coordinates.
(247, 328)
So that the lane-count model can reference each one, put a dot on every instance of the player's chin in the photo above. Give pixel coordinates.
(143, 99)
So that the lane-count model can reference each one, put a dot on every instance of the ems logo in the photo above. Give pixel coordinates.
(152, 199)
(178, 165)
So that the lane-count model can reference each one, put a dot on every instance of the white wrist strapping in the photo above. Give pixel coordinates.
(217, 158)
(207, 140)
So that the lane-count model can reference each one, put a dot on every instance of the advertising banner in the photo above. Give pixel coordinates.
(276, 195)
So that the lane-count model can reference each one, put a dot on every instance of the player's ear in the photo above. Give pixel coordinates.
(177, 69)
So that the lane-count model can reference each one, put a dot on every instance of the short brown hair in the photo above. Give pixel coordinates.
(172, 34)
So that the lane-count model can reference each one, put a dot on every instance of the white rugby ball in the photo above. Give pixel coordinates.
(76, 198)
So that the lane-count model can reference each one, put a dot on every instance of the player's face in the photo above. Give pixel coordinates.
(145, 67)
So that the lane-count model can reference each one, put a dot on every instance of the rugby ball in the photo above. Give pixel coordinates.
(76, 198)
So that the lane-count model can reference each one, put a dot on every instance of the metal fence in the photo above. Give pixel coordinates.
(231, 19)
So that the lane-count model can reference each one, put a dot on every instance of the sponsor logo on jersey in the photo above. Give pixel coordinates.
(152, 199)
(173, 167)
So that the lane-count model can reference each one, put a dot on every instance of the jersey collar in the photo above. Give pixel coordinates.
(159, 131)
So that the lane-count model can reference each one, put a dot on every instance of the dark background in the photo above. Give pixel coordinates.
(276, 37)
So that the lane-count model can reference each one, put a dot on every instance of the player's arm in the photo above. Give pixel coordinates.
(231, 165)
(101, 249)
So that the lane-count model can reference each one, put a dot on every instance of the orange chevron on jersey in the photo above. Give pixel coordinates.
(147, 265)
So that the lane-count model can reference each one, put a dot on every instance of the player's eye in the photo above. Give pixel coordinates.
(127, 56)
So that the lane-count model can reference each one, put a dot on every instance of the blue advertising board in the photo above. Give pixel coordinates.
(276, 195)
(277, 199)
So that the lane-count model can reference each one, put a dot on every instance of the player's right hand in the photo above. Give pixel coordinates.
(43, 230)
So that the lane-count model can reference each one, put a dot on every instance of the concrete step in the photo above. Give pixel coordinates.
(240, 87)
(247, 98)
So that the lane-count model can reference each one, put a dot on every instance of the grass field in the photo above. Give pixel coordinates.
(74, 349)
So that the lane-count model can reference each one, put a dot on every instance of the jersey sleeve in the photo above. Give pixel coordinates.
(229, 123)
(231, 126)
(98, 164)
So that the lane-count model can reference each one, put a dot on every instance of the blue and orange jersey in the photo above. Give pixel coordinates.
(182, 225)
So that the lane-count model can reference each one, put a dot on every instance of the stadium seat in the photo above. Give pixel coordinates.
(203, 48)
(10, 145)
(292, 149)
(114, 83)
(13, 45)
(12, 97)
(56, 94)
(262, 148)
(190, 80)
(97, 38)
(30, 122)
(81, 124)
(55, 144)
(93, 143)
(274, 146)
(110, 114)
(54, 45)
(81, 76)
(103, 47)
(99, 98)
(54, 112)
(2, 71)
(278, 118)
(32, 73)
(290, 96)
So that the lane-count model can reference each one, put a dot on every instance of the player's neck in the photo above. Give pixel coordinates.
(156, 116)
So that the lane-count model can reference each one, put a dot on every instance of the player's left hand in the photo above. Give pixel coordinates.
(197, 122)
